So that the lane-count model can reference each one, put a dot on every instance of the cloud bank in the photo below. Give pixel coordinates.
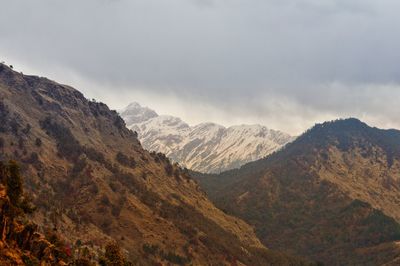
(283, 63)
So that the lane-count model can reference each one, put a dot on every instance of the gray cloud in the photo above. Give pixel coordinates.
(284, 63)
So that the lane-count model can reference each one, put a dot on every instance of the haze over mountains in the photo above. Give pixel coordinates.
(257, 148)
(207, 147)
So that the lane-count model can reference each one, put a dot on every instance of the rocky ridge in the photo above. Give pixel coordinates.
(207, 147)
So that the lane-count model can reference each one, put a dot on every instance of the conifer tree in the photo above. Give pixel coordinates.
(14, 183)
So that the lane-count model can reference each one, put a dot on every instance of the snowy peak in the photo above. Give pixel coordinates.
(134, 113)
(206, 147)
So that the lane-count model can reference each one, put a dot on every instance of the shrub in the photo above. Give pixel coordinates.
(175, 258)
(105, 224)
(128, 180)
(177, 175)
(94, 155)
(38, 142)
(27, 206)
(169, 169)
(94, 189)
(105, 201)
(116, 210)
(115, 186)
(144, 175)
(125, 160)
(83, 262)
(113, 255)
(27, 129)
(67, 145)
(33, 159)
(21, 143)
(150, 249)
(30, 261)
(79, 165)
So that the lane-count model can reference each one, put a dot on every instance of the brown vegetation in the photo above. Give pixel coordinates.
(92, 181)
(332, 192)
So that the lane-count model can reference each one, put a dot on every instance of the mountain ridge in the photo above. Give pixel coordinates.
(92, 182)
(206, 147)
(329, 195)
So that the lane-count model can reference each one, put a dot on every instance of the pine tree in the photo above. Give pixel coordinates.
(14, 183)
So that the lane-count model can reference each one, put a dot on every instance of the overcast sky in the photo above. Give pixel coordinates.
(286, 64)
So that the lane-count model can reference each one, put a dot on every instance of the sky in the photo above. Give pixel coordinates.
(286, 64)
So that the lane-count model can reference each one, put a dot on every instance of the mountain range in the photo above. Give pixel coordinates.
(78, 188)
(332, 195)
(207, 147)
(92, 183)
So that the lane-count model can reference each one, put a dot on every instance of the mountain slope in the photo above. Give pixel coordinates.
(332, 195)
(207, 147)
(93, 182)
(20, 243)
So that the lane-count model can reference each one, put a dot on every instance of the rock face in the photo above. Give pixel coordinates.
(332, 195)
(93, 182)
(207, 147)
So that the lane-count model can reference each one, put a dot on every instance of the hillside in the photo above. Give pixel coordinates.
(332, 195)
(20, 243)
(207, 147)
(93, 183)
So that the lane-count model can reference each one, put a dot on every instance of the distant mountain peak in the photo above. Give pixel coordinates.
(135, 113)
(340, 128)
(134, 105)
(206, 147)
(341, 176)
(349, 134)
(346, 124)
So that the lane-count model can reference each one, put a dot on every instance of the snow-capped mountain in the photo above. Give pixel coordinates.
(207, 147)
(134, 113)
